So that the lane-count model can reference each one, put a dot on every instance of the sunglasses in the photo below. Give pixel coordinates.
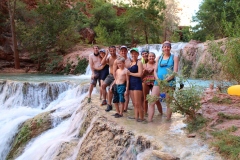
(165, 64)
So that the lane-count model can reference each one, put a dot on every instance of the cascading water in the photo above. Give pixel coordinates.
(20, 101)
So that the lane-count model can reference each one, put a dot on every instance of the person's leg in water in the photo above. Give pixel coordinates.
(151, 108)
(146, 90)
(168, 101)
(159, 107)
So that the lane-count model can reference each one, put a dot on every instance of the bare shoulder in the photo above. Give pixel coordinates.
(90, 55)
(139, 63)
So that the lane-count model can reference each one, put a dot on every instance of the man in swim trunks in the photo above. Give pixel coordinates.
(122, 82)
(94, 62)
(123, 53)
(110, 78)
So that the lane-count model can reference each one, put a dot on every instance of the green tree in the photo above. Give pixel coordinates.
(106, 23)
(52, 31)
(210, 18)
(12, 10)
(144, 17)
(230, 57)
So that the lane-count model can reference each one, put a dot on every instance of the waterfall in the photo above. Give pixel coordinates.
(88, 70)
(20, 101)
(157, 48)
(35, 95)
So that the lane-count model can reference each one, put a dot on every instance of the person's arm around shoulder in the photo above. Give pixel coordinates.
(105, 59)
(100, 67)
(127, 81)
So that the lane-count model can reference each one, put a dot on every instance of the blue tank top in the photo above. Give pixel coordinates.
(163, 66)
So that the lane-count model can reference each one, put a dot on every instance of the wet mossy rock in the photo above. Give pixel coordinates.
(30, 129)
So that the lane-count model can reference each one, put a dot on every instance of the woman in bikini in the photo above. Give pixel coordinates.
(135, 84)
(148, 81)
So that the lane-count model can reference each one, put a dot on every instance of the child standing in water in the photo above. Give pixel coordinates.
(122, 82)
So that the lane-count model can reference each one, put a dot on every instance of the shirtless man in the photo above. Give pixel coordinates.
(122, 83)
(110, 60)
(123, 53)
(94, 62)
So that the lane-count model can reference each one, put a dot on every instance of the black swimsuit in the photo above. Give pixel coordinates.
(135, 83)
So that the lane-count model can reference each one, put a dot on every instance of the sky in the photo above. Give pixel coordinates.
(190, 7)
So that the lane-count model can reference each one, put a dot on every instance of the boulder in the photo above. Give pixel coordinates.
(88, 35)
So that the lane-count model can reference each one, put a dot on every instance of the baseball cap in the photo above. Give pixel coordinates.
(144, 50)
(134, 49)
(123, 47)
(102, 50)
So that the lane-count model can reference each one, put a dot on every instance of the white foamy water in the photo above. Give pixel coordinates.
(46, 143)
(20, 101)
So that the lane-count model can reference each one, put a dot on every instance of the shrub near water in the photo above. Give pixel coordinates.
(81, 66)
(185, 101)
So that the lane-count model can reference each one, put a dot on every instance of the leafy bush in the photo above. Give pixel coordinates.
(187, 67)
(81, 66)
(197, 124)
(230, 60)
(52, 64)
(67, 68)
(185, 101)
(204, 71)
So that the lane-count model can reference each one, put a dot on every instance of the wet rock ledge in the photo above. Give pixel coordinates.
(97, 137)
(102, 138)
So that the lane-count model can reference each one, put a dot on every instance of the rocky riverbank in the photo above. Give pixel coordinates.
(98, 135)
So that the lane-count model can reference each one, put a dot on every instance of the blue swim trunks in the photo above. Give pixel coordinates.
(119, 97)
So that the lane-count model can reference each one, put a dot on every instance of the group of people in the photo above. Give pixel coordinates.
(132, 78)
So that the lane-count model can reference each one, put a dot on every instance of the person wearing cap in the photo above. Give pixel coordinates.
(104, 72)
(165, 62)
(135, 84)
(110, 78)
(123, 53)
(144, 54)
(94, 62)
